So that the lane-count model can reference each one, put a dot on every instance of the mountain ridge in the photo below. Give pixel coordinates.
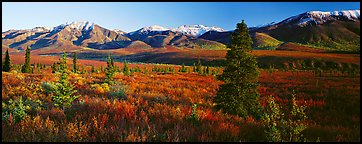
(335, 29)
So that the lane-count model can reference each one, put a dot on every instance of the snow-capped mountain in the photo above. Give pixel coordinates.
(319, 17)
(332, 29)
(313, 27)
(264, 25)
(40, 29)
(118, 31)
(148, 29)
(196, 30)
(81, 26)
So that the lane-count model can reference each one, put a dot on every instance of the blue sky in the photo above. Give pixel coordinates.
(132, 16)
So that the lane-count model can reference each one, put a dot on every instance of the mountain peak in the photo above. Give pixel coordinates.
(320, 17)
(153, 28)
(351, 14)
(196, 30)
(79, 25)
(83, 25)
(39, 29)
(119, 31)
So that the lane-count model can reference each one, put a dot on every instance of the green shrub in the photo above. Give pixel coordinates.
(63, 91)
(16, 108)
(283, 126)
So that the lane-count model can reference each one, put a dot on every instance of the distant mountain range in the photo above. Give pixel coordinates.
(335, 30)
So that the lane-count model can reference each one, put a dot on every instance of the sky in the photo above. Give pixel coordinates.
(132, 16)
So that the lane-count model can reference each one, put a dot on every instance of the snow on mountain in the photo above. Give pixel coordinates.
(196, 30)
(264, 25)
(152, 28)
(82, 26)
(148, 29)
(118, 31)
(319, 17)
(40, 29)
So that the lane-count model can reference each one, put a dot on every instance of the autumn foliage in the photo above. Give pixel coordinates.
(166, 106)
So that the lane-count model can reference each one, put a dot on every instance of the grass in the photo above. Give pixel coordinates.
(156, 107)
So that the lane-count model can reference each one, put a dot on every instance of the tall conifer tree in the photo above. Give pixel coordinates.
(6, 66)
(26, 67)
(239, 94)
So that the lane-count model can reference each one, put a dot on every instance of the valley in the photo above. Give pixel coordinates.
(82, 82)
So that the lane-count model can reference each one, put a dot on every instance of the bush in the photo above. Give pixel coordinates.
(284, 127)
(118, 91)
(15, 108)
(63, 93)
(47, 88)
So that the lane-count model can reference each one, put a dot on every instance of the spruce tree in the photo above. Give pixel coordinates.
(92, 70)
(111, 62)
(109, 71)
(26, 67)
(75, 63)
(183, 69)
(63, 90)
(126, 70)
(194, 68)
(239, 94)
(207, 71)
(199, 66)
(6, 66)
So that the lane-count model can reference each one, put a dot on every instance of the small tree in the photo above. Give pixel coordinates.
(26, 67)
(75, 69)
(109, 71)
(6, 66)
(83, 70)
(93, 69)
(194, 68)
(16, 108)
(199, 66)
(183, 69)
(126, 71)
(55, 67)
(207, 71)
(63, 90)
(283, 126)
(239, 94)
(111, 62)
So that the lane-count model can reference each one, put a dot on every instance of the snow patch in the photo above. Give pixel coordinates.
(82, 26)
(320, 17)
(196, 30)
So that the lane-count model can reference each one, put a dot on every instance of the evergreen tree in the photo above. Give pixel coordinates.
(26, 67)
(239, 94)
(92, 69)
(199, 66)
(194, 68)
(183, 69)
(55, 67)
(75, 63)
(112, 62)
(109, 71)
(126, 70)
(63, 90)
(207, 71)
(83, 71)
(6, 66)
